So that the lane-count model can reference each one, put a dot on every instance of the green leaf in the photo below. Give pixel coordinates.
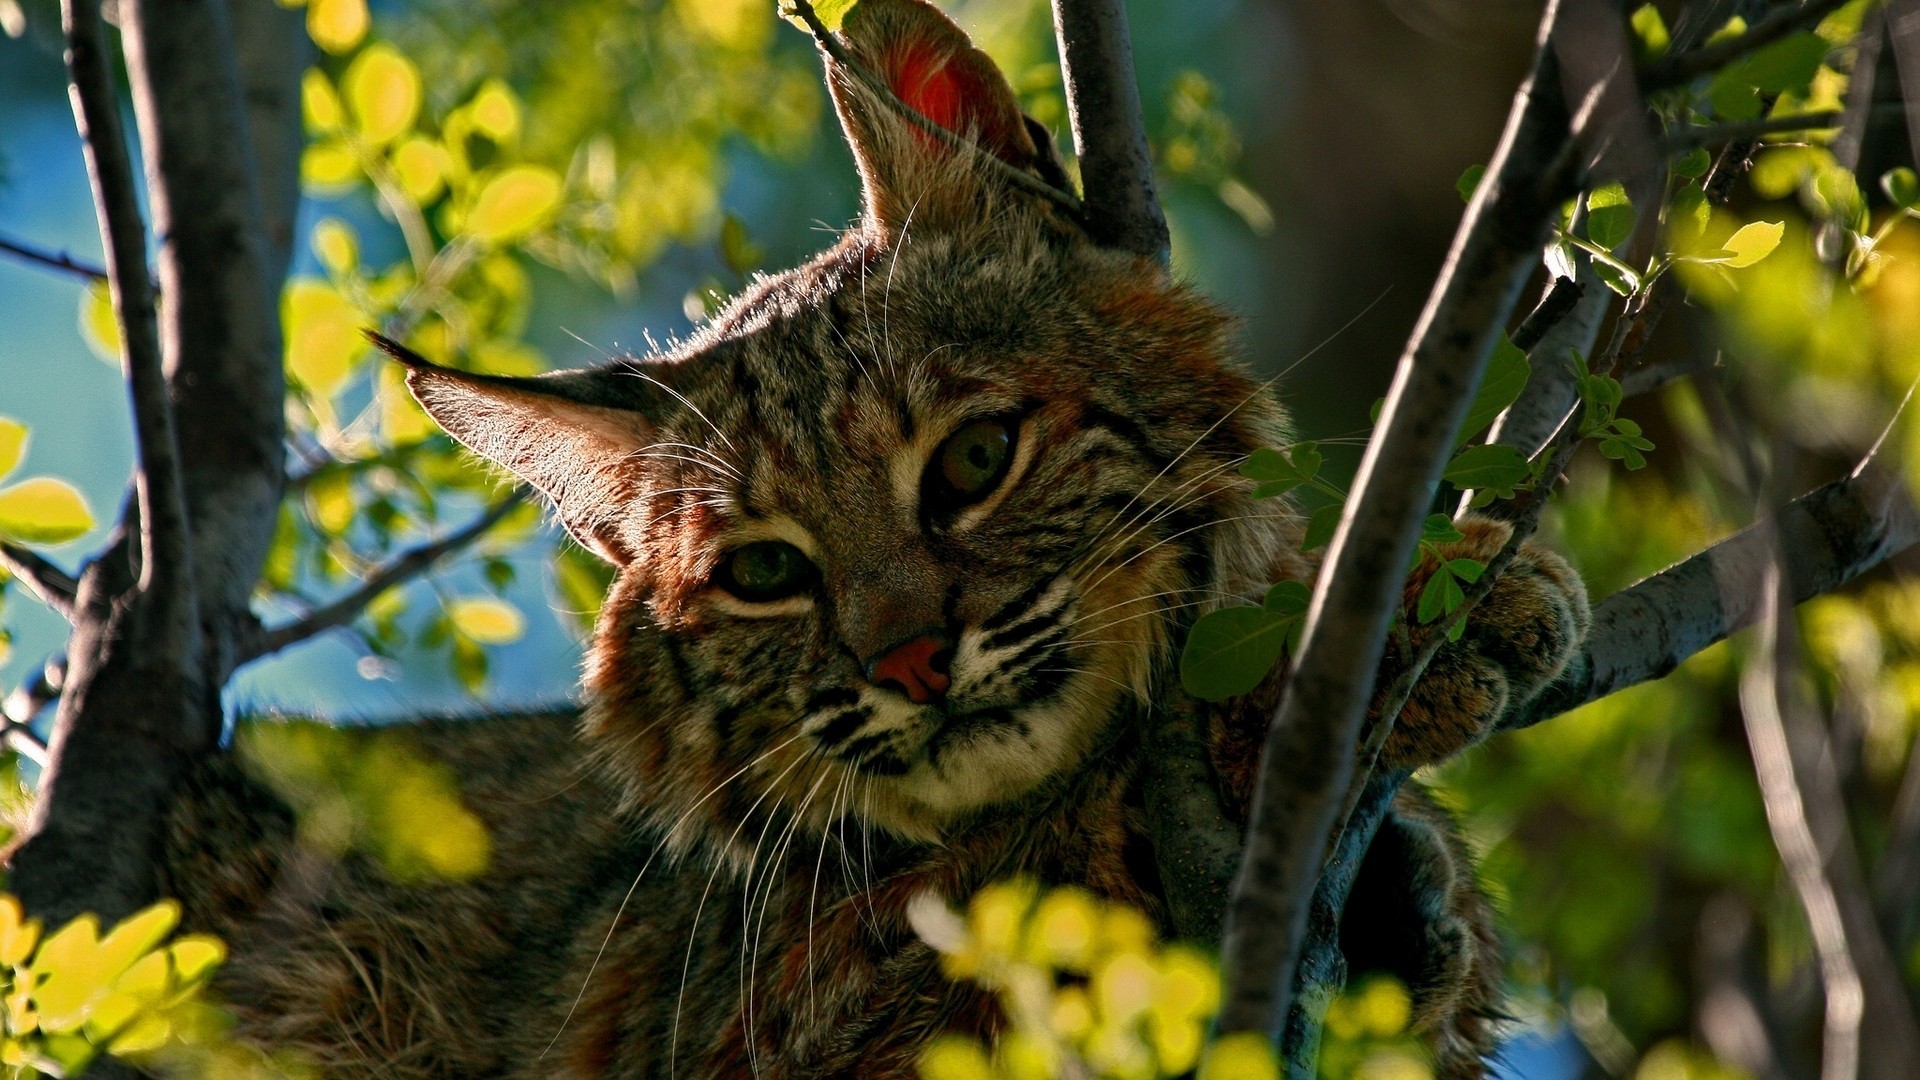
(43, 511)
(1559, 260)
(1732, 97)
(1439, 529)
(1279, 472)
(1469, 182)
(1609, 216)
(1321, 525)
(741, 254)
(1441, 596)
(1616, 277)
(1787, 65)
(13, 444)
(514, 203)
(1902, 187)
(1492, 467)
(1506, 376)
(1287, 598)
(1690, 212)
(1306, 459)
(1650, 30)
(1467, 570)
(1230, 650)
(1693, 164)
(1752, 242)
(830, 12)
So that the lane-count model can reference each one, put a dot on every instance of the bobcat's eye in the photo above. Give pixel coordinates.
(764, 571)
(969, 465)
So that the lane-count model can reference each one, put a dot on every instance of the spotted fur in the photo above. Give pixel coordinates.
(710, 877)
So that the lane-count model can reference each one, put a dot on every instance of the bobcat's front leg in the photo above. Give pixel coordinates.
(1517, 640)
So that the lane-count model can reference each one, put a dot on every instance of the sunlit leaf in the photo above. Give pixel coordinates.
(421, 166)
(1902, 187)
(1753, 241)
(18, 934)
(328, 168)
(1240, 1055)
(194, 955)
(337, 25)
(487, 620)
(320, 106)
(495, 112)
(13, 444)
(1230, 650)
(954, 1057)
(43, 511)
(99, 326)
(1650, 32)
(830, 12)
(323, 335)
(514, 203)
(335, 245)
(1609, 216)
(383, 93)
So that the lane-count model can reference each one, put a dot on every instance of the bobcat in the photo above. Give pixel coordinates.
(906, 540)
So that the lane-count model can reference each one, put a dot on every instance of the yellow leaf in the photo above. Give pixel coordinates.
(421, 166)
(495, 112)
(383, 93)
(330, 502)
(1753, 242)
(145, 1035)
(194, 955)
(337, 25)
(148, 980)
(830, 12)
(18, 934)
(487, 620)
(508, 358)
(1240, 1055)
(13, 447)
(954, 1057)
(319, 103)
(329, 168)
(335, 245)
(43, 511)
(514, 203)
(401, 419)
(136, 936)
(98, 324)
(323, 335)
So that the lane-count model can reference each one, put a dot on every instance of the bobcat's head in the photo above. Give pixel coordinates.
(903, 532)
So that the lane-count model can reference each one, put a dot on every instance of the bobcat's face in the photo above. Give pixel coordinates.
(919, 530)
(906, 531)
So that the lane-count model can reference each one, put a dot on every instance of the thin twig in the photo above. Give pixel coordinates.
(402, 568)
(1687, 138)
(166, 551)
(25, 703)
(56, 260)
(1679, 68)
(838, 53)
(1308, 757)
(53, 586)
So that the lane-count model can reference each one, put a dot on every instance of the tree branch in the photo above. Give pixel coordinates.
(1109, 131)
(57, 260)
(53, 586)
(1678, 68)
(1315, 734)
(221, 271)
(1829, 536)
(403, 568)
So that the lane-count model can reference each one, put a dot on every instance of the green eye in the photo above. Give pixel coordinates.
(765, 570)
(969, 465)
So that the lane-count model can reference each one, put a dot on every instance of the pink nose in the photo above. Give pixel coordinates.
(917, 668)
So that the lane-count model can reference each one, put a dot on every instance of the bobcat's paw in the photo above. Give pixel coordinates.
(1516, 641)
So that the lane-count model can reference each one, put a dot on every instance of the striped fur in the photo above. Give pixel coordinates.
(711, 878)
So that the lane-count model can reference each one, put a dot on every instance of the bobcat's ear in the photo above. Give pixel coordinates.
(545, 430)
(928, 62)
